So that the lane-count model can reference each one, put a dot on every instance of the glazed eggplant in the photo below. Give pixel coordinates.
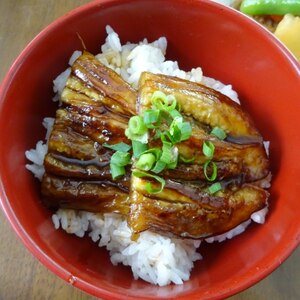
(186, 207)
(189, 210)
(97, 105)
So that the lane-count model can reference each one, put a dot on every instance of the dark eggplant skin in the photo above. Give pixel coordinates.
(96, 107)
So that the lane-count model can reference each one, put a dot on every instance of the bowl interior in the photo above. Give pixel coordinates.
(229, 47)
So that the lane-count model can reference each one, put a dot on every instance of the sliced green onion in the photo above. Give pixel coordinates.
(169, 153)
(116, 171)
(157, 134)
(215, 187)
(163, 102)
(175, 114)
(152, 118)
(186, 160)
(136, 125)
(138, 148)
(121, 159)
(148, 186)
(155, 151)
(210, 164)
(179, 130)
(185, 130)
(219, 133)
(172, 165)
(146, 161)
(122, 147)
(208, 149)
(159, 167)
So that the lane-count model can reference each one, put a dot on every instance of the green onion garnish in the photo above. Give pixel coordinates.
(219, 133)
(152, 118)
(162, 121)
(138, 148)
(215, 187)
(118, 147)
(148, 186)
(121, 159)
(169, 153)
(208, 149)
(163, 102)
(213, 166)
(136, 125)
(159, 167)
(116, 171)
(145, 162)
(137, 130)
(186, 160)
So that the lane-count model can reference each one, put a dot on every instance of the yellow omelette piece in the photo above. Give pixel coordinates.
(288, 32)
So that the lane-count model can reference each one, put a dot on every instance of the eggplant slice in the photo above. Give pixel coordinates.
(96, 106)
(185, 207)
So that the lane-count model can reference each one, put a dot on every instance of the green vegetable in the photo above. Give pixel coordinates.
(163, 102)
(118, 147)
(148, 186)
(162, 121)
(138, 148)
(208, 149)
(219, 133)
(116, 171)
(270, 7)
(152, 118)
(121, 159)
(215, 187)
(159, 166)
(145, 162)
(213, 176)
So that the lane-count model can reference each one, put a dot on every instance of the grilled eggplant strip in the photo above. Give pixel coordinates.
(77, 173)
(95, 196)
(192, 213)
(205, 104)
(249, 159)
(104, 81)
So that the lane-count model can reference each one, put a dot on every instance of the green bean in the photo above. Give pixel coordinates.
(270, 7)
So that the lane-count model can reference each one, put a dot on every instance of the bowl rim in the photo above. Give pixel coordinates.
(45, 259)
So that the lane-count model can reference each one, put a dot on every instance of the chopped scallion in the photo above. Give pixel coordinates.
(121, 159)
(122, 147)
(186, 160)
(219, 133)
(214, 172)
(138, 148)
(152, 118)
(208, 149)
(116, 171)
(159, 167)
(215, 187)
(146, 161)
(136, 125)
(148, 186)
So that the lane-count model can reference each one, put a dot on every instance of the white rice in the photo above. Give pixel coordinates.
(152, 257)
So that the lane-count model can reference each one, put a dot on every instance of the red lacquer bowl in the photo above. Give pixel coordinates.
(229, 47)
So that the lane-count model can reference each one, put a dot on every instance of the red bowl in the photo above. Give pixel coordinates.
(229, 47)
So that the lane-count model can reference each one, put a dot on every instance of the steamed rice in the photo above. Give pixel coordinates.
(152, 257)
